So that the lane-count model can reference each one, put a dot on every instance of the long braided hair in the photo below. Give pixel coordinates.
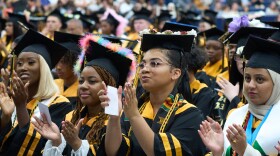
(95, 132)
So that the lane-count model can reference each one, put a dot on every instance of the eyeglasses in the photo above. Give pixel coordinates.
(152, 64)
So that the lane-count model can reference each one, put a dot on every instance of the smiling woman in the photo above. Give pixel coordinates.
(165, 123)
(31, 84)
(106, 65)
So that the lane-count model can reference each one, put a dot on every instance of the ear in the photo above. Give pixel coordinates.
(176, 73)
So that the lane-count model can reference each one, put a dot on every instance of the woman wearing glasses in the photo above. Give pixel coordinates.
(165, 123)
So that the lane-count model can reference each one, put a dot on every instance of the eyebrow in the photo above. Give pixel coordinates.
(152, 59)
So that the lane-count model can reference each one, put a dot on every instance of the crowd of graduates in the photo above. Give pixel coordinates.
(185, 86)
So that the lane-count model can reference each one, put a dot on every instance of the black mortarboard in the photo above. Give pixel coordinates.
(70, 41)
(262, 53)
(177, 42)
(275, 36)
(89, 20)
(143, 14)
(273, 24)
(59, 15)
(113, 19)
(189, 14)
(164, 16)
(21, 18)
(240, 37)
(190, 21)
(210, 13)
(212, 34)
(117, 65)
(174, 26)
(35, 42)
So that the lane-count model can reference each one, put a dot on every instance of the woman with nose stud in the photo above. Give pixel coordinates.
(165, 123)
(251, 129)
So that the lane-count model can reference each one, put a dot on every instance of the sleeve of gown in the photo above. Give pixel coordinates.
(53, 150)
(83, 150)
(182, 138)
(250, 151)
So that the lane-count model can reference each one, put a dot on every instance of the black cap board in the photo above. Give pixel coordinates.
(212, 34)
(174, 26)
(21, 18)
(240, 37)
(59, 15)
(37, 43)
(117, 65)
(164, 16)
(262, 53)
(177, 42)
(143, 14)
(70, 41)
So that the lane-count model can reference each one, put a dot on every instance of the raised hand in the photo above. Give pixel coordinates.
(237, 138)
(130, 101)
(6, 103)
(5, 73)
(212, 136)
(71, 134)
(228, 89)
(48, 131)
(19, 91)
(104, 99)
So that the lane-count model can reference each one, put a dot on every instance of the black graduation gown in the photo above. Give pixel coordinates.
(180, 136)
(26, 140)
(85, 128)
(203, 97)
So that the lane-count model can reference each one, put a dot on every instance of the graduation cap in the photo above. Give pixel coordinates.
(275, 36)
(190, 21)
(177, 42)
(143, 14)
(89, 20)
(240, 37)
(117, 65)
(262, 53)
(212, 34)
(190, 14)
(59, 15)
(37, 43)
(273, 24)
(21, 18)
(164, 16)
(113, 19)
(210, 13)
(70, 41)
(174, 26)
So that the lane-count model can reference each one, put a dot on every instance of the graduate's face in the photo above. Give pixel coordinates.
(214, 50)
(64, 69)
(28, 67)
(140, 24)
(106, 28)
(53, 24)
(258, 85)
(90, 83)
(9, 28)
(156, 72)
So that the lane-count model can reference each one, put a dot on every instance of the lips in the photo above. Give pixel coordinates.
(252, 94)
(144, 78)
(84, 95)
(24, 76)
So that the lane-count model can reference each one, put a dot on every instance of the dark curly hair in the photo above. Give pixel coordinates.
(196, 59)
(95, 132)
